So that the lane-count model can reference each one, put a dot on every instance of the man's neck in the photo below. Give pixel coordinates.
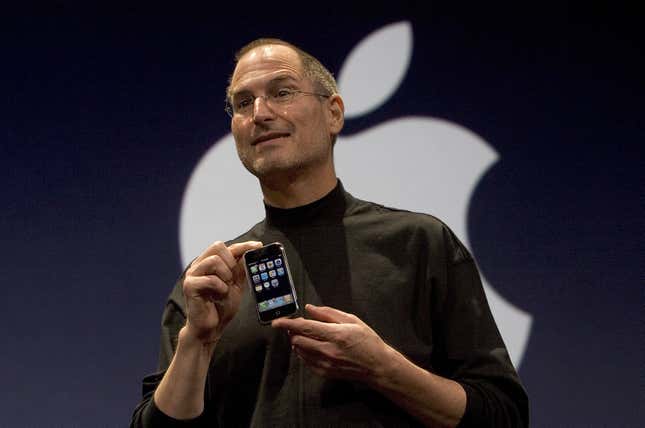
(295, 190)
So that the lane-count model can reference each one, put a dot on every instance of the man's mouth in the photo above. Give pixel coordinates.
(269, 136)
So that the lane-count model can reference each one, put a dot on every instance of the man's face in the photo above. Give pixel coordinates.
(280, 138)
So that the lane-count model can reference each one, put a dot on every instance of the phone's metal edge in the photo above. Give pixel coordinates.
(292, 283)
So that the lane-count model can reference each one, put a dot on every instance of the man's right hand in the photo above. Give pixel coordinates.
(213, 288)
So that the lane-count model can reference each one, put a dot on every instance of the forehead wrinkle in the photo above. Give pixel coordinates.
(265, 60)
(244, 86)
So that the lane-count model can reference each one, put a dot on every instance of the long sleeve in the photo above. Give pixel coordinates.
(472, 350)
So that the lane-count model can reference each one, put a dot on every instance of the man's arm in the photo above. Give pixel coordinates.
(180, 393)
(434, 400)
(212, 289)
(186, 376)
(485, 392)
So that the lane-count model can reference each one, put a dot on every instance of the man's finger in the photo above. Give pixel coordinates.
(310, 328)
(212, 265)
(228, 254)
(311, 345)
(237, 250)
(205, 285)
(323, 365)
(329, 314)
(239, 273)
(214, 248)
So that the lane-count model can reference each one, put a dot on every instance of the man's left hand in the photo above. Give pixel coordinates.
(337, 344)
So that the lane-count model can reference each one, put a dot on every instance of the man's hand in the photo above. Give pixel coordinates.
(336, 344)
(213, 289)
(339, 345)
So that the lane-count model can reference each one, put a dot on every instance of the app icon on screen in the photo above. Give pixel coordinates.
(263, 267)
(254, 268)
(256, 278)
(280, 271)
(258, 288)
(270, 264)
(272, 273)
(264, 276)
(266, 284)
(278, 262)
(275, 282)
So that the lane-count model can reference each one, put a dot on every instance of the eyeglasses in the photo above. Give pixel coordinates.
(243, 104)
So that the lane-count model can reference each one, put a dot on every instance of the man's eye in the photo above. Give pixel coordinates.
(244, 102)
(283, 93)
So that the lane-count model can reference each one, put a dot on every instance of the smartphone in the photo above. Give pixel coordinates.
(267, 271)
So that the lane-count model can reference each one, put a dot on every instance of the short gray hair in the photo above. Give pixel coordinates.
(313, 69)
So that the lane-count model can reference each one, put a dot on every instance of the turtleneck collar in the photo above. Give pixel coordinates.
(328, 209)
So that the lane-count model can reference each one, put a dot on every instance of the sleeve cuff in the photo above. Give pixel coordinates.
(154, 417)
(474, 407)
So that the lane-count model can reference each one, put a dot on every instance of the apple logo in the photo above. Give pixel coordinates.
(406, 163)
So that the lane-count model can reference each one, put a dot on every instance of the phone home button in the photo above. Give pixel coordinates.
(277, 313)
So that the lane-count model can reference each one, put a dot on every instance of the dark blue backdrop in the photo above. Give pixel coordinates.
(105, 115)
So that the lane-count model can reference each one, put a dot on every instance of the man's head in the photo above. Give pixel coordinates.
(286, 109)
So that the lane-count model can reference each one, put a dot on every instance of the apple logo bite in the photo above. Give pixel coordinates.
(416, 163)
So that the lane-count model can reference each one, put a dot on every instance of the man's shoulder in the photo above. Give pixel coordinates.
(404, 225)
(369, 210)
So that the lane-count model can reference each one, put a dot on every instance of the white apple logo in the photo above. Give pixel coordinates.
(416, 163)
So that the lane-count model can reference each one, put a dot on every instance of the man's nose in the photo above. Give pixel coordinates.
(262, 110)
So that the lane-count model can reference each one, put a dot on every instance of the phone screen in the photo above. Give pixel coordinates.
(271, 282)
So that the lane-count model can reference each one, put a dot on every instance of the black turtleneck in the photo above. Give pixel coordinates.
(328, 209)
(404, 274)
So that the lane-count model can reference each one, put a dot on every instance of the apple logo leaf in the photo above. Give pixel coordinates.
(375, 68)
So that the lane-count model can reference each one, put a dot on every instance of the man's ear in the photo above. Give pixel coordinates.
(336, 114)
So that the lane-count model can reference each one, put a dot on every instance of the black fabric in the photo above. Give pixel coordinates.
(404, 274)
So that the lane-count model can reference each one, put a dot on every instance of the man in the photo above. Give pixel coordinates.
(397, 331)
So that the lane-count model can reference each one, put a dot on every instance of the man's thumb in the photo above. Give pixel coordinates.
(237, 250)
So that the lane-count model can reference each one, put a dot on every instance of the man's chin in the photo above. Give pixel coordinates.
(264, 169)
(275, 171)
